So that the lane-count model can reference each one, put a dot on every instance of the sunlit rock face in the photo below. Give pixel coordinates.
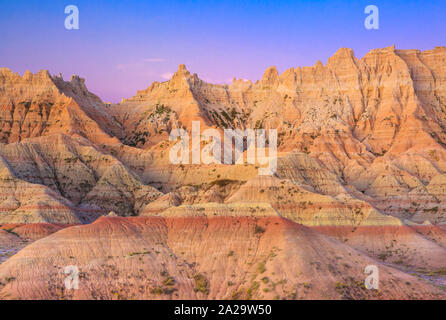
(361, 174)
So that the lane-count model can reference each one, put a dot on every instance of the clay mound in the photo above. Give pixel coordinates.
(36, 231)
(436, 234)
(119, 189)
(23, 202)
(199, 258)
(214, 191)
(10, 243)
(415, 248)
(164, 202)
(8, 238)
(54, 176)
(295, 202)
(310, 173)
(221, 210)
(14, 237)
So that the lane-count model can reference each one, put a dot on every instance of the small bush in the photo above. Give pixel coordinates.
(258, 230)
(169, 281)
(261, 267)
(201, 283)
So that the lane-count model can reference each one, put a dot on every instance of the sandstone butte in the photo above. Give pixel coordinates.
(361, 180)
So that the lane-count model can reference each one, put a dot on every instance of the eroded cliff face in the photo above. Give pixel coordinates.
(372, 128)
(40, 105)
(361, 179)
(359, 133)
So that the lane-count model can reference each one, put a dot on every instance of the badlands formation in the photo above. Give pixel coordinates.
(360, 180)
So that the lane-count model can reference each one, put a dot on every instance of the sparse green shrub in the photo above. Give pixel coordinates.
(258, 229)
(201, 283)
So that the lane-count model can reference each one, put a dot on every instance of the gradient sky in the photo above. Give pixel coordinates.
(123, 46)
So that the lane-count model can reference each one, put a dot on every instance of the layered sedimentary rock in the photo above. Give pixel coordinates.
(40, 104)
(361, 164)
(370, 129)
(14, 237)
(199, 257)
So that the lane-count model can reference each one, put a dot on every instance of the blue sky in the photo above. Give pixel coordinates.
(123, 46)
